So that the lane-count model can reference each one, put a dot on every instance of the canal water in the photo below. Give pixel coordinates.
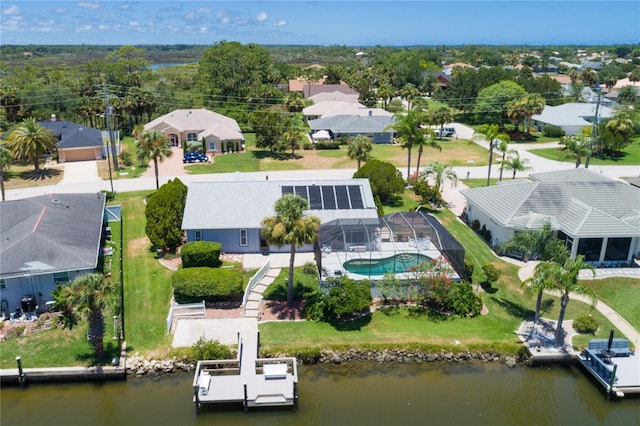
(347, 394)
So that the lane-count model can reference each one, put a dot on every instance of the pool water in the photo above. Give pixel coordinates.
(396, 264)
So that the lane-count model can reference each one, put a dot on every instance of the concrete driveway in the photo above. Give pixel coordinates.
(77, 172)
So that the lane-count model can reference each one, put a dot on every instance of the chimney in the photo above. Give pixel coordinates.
(53, 117)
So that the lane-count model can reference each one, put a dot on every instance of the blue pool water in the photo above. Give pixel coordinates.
(398, 264)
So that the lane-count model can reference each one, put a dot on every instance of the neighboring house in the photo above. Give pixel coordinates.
(372, 126)
(75, 142)
(334, 96)
(310, 90)
(595, 216)
(572, 117)
(297, 84)
(231, 212)
(46, 240)
(333, 108)
(193, 126)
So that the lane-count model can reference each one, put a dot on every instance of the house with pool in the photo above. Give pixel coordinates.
(353, 239)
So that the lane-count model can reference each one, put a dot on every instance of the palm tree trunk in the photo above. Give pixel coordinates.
(358, 163)
(408, 163)
(155, 166)
(564, 301)
(36, 163)
(419, 158)
(292, 260)
(490, 161)
(538, 304)
(2, 180)
(504, 154)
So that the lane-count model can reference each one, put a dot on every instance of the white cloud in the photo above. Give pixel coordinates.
(204, 30)
(89, 4)
(11, 10)
(280, 23)
(103, 27)
(124, 6)
(204, 10)
(84, 29)
(60, 10)
(262, 16)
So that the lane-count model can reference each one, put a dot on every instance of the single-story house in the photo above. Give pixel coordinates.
(373, 126)
(310, 90)
(231, 212)
(594, 215)
(334, 96)
(333, 108)
(220, 133)
(46, 240)
(571, 117)
(75, 142)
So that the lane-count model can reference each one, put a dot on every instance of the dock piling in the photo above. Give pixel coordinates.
(22, 379)
(246, 402)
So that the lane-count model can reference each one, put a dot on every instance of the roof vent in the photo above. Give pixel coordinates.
(53, 117)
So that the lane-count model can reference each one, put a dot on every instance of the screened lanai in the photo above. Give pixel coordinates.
(368, 248)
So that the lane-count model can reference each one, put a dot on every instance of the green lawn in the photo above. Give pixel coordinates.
(623, 294)
(630, 157)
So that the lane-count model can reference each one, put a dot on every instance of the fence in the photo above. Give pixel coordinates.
(185, 310)
(255, 279)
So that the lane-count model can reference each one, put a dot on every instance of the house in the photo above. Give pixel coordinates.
(372, 126)
(46, 240)
(571, 117)
(310, 90)
(332, 108)
(231, 212)
(595, 216)
(218, 133)
(75, 142)
(334, 96)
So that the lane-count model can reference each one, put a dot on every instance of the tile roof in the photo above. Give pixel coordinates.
(572, 114)
(331, 108)
(204, 122)
(352, 124)
(50, 233)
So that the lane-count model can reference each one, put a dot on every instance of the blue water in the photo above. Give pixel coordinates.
(396, 264)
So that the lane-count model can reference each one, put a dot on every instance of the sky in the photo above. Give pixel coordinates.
(319, 22)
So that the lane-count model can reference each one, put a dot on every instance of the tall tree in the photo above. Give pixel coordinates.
(627, 95)
(30, 141)
(154, 145)
(6, 158)
(576, 147)
(290, 226)
(515, 163)
(537, 284)
(439, 172)
(490, 133)
(360, 149)
(429, 138)
(442, 115)
(492, 101)
(408, 128)
(89, 295)
(164, 212)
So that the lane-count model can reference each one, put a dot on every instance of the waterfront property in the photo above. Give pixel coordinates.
(593, 215)
(249, 380)
(47, 240)
(614, 365)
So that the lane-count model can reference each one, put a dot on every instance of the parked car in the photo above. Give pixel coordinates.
(446, 132)
(195, 157)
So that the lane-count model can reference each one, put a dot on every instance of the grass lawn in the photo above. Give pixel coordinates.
(124, 172)
(623, 294)
(630, 157)
(23, 175)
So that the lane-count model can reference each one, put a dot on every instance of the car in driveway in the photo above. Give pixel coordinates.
(195, 157)
(446, 132)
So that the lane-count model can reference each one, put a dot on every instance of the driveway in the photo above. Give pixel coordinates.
(171, 166)
(78, 172)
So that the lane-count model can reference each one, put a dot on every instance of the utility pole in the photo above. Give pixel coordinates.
(108, 112)
(593, 129)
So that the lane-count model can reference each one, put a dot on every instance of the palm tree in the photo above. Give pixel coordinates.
(491, 134)
(294, 102)
(537, 284)
(359, 149)
(429, 138)
(291, 138)
(155, 145)
(440, 172)
(533, 104)
(576, 147)
(565, 279)
(29, 141)
(290, 226)
(89, 295)
(627, 95)
(442, 116)
(515, 163)
(5, 162)
(503, 147)
(409, 131)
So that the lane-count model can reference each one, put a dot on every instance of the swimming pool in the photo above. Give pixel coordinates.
(397, 264)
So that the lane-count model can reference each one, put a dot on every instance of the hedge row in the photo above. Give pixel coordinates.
(211, 284)
(201, 253)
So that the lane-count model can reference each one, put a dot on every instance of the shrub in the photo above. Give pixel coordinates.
(163, 212)
(467, 272)
(327, 145)
(585, 325)
(211, 284)
(209, 349)
(491, 273)
(15, 331)
(464, 301)
(307, 146)
(201, 253)
(475, 225)
(305, 283)
(349, 298)
(125, 158)
(553, 131)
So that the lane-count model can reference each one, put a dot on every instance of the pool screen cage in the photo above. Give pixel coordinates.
(348, 244)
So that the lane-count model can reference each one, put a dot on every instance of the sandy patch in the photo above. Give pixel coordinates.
(138, 246)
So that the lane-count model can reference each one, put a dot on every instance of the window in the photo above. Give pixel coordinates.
(198, 235)
(192, 137)
(3, 284)
(61, 277)
(243, 238)
(212, 145)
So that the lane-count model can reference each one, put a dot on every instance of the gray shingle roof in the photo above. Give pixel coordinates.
(72, 135)
(236, 205)
(50, 233)
(580, 202)
(352, 124)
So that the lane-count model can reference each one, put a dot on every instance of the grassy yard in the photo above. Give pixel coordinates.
(623, 294)
(23, 175)
(630, 157)
(124, 172)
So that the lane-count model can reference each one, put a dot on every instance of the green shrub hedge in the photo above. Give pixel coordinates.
(552, 131)
(201, 253)
(585, 325)
(211, 284)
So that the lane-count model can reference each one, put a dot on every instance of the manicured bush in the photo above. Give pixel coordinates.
(163, 212)
(209, 349)
(125, 158)
(327, 145)
(491, 273)
(201, 253)
(211, 284)
(585, 325)
(553, 131)
(349, 298)
(467, 271)
(464, 301)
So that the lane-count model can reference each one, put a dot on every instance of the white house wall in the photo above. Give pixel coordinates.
(498, 232)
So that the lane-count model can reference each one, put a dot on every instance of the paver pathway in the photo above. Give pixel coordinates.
(254, 307)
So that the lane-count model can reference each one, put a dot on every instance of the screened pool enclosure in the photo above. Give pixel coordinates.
(368, 248)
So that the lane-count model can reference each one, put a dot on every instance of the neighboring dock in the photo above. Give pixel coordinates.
(249, 380)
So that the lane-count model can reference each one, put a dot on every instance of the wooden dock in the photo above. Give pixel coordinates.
(613, 365)
(249, 380)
